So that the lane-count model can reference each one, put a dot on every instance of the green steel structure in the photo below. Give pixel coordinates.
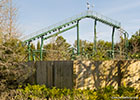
(95, 24)
(71, 23)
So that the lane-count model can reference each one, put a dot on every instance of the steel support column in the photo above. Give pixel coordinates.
(29, 51)
(78, 40)
(34, 56)
(95, 36)
(41, 47)
(72, 54)
(126, 44)
(113, 31)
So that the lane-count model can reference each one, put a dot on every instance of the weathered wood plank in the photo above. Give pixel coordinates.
(41, 73)
(68, 71)
(49, 67)
(57, 72)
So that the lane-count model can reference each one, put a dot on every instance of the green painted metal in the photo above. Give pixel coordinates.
(71, 20)
(113, 31)
(69, 24)
(126, 44)
(29, 51)
(95, 35)
(78, 40)
(34, 56)
(41, 47)
(72, 54)
(60, 32)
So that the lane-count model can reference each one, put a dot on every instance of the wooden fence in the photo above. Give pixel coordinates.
(54, 73)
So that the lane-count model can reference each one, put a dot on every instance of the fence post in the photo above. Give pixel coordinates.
(95, 37)
(78, 41)
(29, 51)
(41, 47)
(113, 31)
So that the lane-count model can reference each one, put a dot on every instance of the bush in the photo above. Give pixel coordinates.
(12, 71)
(40, 92)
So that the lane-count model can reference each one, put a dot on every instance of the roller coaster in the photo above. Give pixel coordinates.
(70, 23)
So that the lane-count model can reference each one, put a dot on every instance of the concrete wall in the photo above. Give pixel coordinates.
(96, 74)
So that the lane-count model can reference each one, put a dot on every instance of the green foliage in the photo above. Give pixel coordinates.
(12, 71)
(106, 93)
(135, 56)
(87, 50)
(13, 50)
(56, 93)
(104, 45)
(35, 90)
(41, 92)
(134, 46)
(59, 49)
(126, 91)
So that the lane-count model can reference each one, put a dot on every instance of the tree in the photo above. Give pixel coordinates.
(58, 50)
(135, 42)
(2, 15)
(134, 45)
(120, 50)
(87, 50)
(1, 40)
(8, 18)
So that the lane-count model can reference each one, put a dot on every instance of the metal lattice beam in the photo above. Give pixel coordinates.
(70, 21)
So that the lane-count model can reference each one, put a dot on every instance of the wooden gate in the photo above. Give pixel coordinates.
(55, 73)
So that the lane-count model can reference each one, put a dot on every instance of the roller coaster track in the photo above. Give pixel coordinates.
(71, 23)
(68, 22)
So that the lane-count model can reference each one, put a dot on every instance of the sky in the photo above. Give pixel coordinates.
(34, 15)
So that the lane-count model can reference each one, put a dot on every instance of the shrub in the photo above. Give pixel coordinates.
(41, 92)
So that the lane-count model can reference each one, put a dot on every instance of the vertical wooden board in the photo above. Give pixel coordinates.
(63, 71)
(49, 67)
(46, 73)
(41, 73)
(37, 71)
(57, 72)
(68, 71)
(70, 85)
(62, 75)
(63, 80)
